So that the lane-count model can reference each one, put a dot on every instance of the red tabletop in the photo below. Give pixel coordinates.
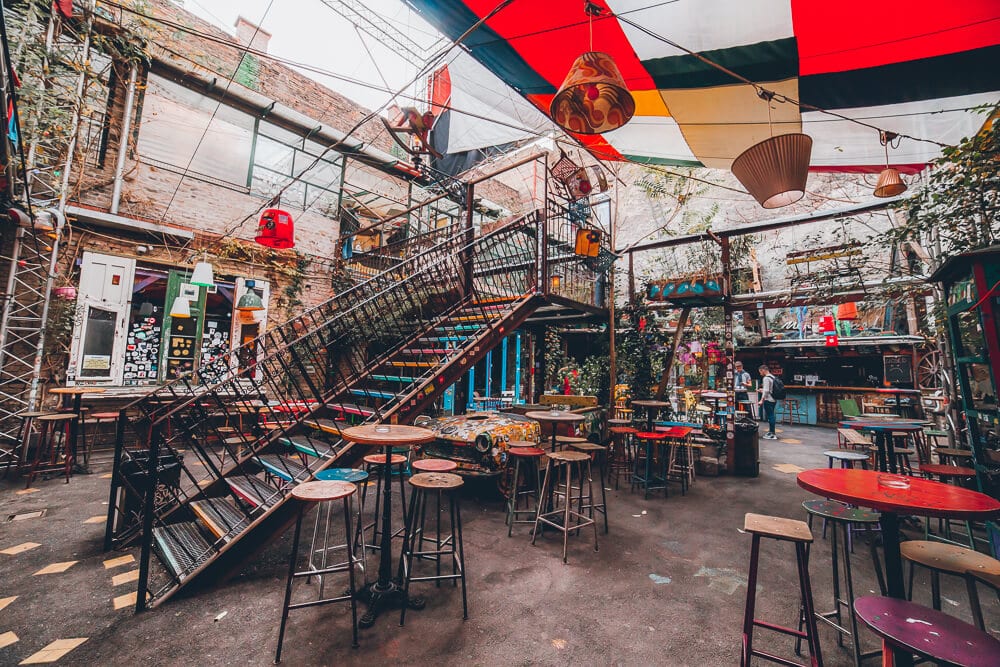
(923, 497)
(676, 431)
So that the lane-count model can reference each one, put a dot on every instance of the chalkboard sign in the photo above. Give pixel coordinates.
(898, 368)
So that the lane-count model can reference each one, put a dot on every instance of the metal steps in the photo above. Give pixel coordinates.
(284, 467)
(220, 516)
(255, 492)
(305, 445)
(182, 547)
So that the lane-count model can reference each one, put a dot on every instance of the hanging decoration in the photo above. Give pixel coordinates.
(250, 301)
(775, 170)
(594, 97)
(181, 308)
(203, 275)
(847, 311)
(574, 178)
(276, 229)
(890, 183)
(588, 242)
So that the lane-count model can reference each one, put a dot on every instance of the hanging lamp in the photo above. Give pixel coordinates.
(890, 183)
(203, 276)
(775, 170)
(181, 308)
(593, 98)
(250, 301)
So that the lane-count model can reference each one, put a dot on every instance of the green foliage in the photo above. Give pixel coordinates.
(960, 205)
(594, 379)
(555, 357)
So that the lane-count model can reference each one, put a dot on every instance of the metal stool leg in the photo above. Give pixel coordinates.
(288, 584)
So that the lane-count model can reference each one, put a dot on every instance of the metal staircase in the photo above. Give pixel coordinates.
(229, 450)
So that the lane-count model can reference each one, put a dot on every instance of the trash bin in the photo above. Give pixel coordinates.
(747, 446)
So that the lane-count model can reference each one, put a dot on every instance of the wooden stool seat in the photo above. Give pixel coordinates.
(569, 439)
(57, 417)
(320, 492)
(379, 459)
(436, 480)
(434, 465)
(104, 415)
(619, 422)
(587, 446)
(949, 558)
(837, 511)
(779, 528)
(34, 414)
(623, 430)
(951, 451)
(929, 633)
(947, 470)
(516, 444)
(849, 436)
(526, 452)
(568, 456)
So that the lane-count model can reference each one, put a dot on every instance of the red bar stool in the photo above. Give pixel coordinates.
(97, 419)
(798, 533)
(928, 633)
(47, 453)
(648, 448)
(16, 453)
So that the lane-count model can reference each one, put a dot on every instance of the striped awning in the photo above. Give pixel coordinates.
(916, 69)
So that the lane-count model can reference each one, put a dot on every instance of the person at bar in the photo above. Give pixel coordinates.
(767, 402)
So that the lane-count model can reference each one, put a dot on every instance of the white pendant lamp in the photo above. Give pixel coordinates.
(203, 276)
(181, 308)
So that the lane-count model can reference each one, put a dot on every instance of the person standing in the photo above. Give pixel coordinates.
(767, 401)
(741, 385)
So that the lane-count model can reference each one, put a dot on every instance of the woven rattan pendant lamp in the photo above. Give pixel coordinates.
(890, 183)
(594, 97)
(775, 170)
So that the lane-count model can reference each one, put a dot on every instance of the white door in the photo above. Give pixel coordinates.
(97, 353)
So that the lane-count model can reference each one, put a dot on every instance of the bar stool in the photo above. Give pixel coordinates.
(972, 577)
(47, 448)
(940, 559)
(847, 458)
(680, 464)
(798, 533)
(948, 474)
(352, 476)
(843, 518)
(793, 412)
(526, 465)
(622, 451)
(597, 454)
(953, 456)
(434, 465)
(939, 637)
(376, 462)
(567, 440)
(17, 451)
(556, 462)
(308, 494)
(97, 419)
(451, 546)
(642, 473)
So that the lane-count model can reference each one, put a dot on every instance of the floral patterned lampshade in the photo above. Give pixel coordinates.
(593, 98)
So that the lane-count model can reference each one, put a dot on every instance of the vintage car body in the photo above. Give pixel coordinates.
(477, 442)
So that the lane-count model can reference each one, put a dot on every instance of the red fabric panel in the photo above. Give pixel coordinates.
(550, 35)
(857, 34)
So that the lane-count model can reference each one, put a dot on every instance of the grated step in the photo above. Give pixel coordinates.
(373, 393)
(284, 468)
(393, 378)
(310, 447)
(220, 516)
(253, 491)
(181, 547)
(351, 409)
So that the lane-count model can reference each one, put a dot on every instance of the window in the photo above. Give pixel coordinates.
(183, 129)
(280, 156)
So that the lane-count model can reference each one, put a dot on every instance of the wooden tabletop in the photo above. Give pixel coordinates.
(385, 435)
(713, 394)
(923, 497)
(883, 425)
(947, 471)
(554, 416)
(76, 390)
(649, 403)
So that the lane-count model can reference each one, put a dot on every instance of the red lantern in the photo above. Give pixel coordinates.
(826, 323)
(276, 229)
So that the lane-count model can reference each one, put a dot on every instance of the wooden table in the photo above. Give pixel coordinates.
(883, 430)
(651, 406)
(554, 417)
(386, 592)
(922, 497)
(75, 404)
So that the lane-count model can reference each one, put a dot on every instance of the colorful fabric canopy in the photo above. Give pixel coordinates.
(915, 69)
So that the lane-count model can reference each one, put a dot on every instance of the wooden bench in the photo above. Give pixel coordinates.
(850, 437)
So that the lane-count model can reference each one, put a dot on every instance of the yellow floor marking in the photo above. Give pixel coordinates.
(6, 601)
(56, 568)
(124, 578)
(789, 468)
(97, 519)
(7, 638)
(791, 441)
(23, 492)
(121, 560)
(127, 600)
(20, 548)
(53, 651)
(107, 475)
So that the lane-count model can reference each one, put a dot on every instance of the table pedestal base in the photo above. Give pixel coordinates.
(383, 598)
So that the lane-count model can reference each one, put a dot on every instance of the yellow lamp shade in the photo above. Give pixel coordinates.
(593, 98)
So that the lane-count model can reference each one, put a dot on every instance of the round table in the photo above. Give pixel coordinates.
(386, 593)
(845, 457)
(715, 397)
(554, 417)
(867, 488)
(883, 429)
(651, 406)
(76, 406)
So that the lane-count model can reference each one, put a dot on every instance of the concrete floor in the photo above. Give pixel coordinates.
(667, 587)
